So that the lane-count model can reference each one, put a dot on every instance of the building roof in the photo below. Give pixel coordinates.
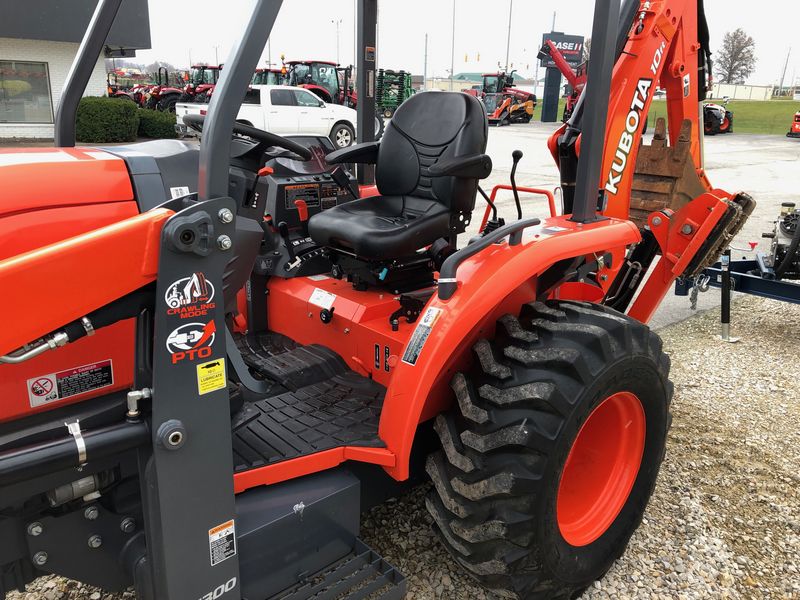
(66, 21)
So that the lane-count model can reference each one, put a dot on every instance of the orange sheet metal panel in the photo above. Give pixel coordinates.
(46, 288)
(89, 367)
(26, 231)
(37, 178)
(360, 330)
(418, 390)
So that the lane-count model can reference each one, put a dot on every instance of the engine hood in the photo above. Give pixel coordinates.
(38, 178)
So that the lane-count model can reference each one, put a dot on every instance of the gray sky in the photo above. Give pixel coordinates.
(305, 29)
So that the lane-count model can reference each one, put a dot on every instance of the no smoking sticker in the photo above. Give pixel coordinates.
(211, 376)
(44, 389)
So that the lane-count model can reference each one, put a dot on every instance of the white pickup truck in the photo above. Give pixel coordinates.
(285, 110)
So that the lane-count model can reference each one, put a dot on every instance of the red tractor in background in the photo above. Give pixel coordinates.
(794, 132)
(162, 96)
(576, 79)
(330, 82)
(269, 77)
(326, 79)
(504, 103)
(202, 79)
(133, 93)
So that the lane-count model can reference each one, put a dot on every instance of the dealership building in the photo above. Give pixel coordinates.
(38, 42)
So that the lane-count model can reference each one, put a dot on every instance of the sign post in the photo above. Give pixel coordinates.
(571, 46)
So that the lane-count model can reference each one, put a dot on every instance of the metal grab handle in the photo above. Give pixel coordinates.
(525, 190)
(447, 275)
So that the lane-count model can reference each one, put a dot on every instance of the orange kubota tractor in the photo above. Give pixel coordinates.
(214, 359)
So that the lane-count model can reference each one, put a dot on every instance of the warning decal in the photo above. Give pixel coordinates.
(322, 298)
(211, 376)
(65, 384)
(222, 542)
(420, 335)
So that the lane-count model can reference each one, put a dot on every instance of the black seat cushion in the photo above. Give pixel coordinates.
(415, 208)
(381, 227)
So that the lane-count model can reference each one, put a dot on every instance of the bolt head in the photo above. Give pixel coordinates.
(91, 513)
(656, 221)
(40, 558)
(35, 529)
(95, 541)
(225, 215)
(128, 525)
(686, 229)
(224, 242)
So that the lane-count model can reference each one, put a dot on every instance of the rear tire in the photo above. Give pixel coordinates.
(727, 123)
(168, 104)
(503, 501)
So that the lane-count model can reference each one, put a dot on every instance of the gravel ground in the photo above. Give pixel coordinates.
(725, 518)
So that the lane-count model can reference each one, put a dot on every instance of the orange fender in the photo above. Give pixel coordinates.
(495, 281)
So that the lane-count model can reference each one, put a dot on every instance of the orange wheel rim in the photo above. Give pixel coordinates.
(601, 469)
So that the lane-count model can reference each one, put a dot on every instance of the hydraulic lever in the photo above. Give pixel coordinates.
(302, 213)
(283, 230)
(516, 156)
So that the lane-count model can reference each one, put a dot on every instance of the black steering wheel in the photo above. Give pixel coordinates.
(265, 137)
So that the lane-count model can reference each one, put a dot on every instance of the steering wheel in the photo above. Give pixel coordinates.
(265, 137)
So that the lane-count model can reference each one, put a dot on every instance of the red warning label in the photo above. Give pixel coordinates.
(71, 382)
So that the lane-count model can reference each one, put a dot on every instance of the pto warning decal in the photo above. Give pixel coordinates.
(322, 298)
(190, 297)
(222, 542)
(191, 341)
(420, 335)
(71, 382)
(211, 376)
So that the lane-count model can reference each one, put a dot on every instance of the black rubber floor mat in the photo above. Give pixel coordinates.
(341, 411)
(279, 359)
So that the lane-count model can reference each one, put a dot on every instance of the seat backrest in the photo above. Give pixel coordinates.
(426, 128)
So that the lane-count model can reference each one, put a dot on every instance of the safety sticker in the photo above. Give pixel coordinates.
(318, 277)
(420, 335)
(190, 297)
(179, 191)
(222, 542)
(552, 229)
(191, 341)
(71, 382)
(211, 376)
(322, 298)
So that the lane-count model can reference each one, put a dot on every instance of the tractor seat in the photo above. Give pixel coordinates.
(427, 168)
(379, 227)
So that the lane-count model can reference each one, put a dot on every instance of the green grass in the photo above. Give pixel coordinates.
(537, 111)
(770, 117)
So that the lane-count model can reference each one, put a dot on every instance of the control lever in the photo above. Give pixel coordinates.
(516, 156)
(339, 175)
(283, 230)
(302, 212)
(494, 222)
(262, 172)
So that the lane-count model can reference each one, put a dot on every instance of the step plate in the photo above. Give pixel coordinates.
(279, 359)
(341, 411)
(362, 575)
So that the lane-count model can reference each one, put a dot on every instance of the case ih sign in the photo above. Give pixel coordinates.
(571, 46)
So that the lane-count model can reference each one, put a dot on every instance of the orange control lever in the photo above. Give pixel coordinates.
(302, 210)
